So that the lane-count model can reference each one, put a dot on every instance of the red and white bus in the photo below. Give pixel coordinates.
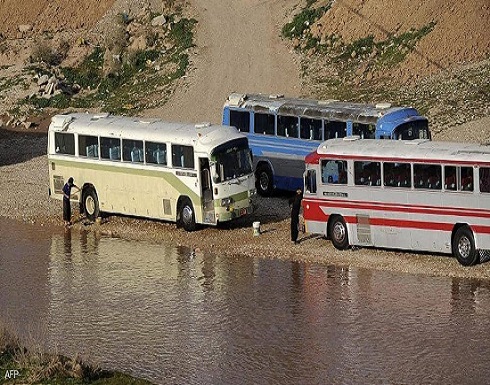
(413, 195)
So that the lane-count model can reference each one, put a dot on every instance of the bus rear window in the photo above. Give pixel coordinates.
(240, 119)
(418, 129)
(264, 124)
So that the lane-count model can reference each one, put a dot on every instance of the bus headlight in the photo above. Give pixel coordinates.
(226, 202)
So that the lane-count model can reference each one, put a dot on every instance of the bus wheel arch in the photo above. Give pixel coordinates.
(90, 202)
(264, 179)
(463, 245)
(186, 216)
(338, 232)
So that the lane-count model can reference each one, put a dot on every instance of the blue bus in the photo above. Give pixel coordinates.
(282, 131)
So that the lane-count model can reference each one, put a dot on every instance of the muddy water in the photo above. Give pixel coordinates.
(175, 316)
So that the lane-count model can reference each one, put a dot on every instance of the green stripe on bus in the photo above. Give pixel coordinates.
(169, 177)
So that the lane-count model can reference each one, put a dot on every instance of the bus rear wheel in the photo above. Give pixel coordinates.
(91, 204)
(187, 218)
(264, 181)
(464, 247)
(338, 233)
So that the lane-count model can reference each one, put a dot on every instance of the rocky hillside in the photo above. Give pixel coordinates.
(433, 54)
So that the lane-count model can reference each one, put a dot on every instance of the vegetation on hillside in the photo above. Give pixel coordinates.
(120, 77)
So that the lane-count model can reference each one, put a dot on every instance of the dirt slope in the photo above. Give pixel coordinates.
(238, 49)
(49, 15)
(460, 35)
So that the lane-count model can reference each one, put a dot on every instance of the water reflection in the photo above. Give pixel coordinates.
(179, 316)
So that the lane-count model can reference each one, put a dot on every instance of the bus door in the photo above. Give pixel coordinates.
(206, 191)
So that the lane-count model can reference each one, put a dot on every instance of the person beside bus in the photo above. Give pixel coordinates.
(295, 203)
(66, 200)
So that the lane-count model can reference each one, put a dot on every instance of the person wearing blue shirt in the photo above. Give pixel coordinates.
(66, 201)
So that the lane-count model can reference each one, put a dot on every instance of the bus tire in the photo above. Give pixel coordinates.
(187, 217)
(264, 180)
(464, 247)
(90, 204)
(338, 233)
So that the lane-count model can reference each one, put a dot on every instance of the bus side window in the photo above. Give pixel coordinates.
(287, 126)
(64, 143)
(264, 124)
(310, 129)
(466, 179)
(133, 151)
(182, 156)
(334, 129)
(156, 153)
(88, 146)
(485, 179)
(110, 148)
(365, 131)
(310, 181)
(240, 119)
(367, 173)
(397, 174)
(450, 178)
(334, 171)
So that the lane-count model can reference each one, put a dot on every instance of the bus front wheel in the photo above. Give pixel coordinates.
(264, 181)
(187, 218)
(464, 247)
(338, 233)
(91, 204)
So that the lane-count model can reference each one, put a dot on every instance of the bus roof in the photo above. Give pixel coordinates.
(204, 136)
(402, 150)
(317, 109)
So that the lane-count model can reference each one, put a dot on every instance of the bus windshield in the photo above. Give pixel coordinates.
(417, 129)
(232, 161)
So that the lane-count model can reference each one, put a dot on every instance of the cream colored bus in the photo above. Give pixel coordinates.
(188, 174)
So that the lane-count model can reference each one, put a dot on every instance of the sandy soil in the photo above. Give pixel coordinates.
(238, 49)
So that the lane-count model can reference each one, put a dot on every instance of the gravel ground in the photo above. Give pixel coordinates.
(24, 196)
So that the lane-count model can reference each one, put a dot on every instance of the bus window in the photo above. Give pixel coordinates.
(287, 126)
(365, 131)
(427, 176)
(417, 129)
(88, 146)
(397, 174)
(110, 148)
(64, 143)
(310, 182)
(133, 151)
(367, 173)
(466, 179)
(450, 178)
(156, 153)
(334, 172)
(264, 124)
(485, 179)
(334, 129)
(182, 156)
(310, 129)
(240, 119)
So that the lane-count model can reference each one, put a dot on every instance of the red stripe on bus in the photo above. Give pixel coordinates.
(315, 158)
(416, 209)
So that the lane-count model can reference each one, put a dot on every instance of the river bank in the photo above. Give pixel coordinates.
(24, 197)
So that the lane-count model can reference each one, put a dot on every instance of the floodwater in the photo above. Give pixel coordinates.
(174, 316)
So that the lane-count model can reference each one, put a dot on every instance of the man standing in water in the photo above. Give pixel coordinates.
(295, 203)
(66, 201)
